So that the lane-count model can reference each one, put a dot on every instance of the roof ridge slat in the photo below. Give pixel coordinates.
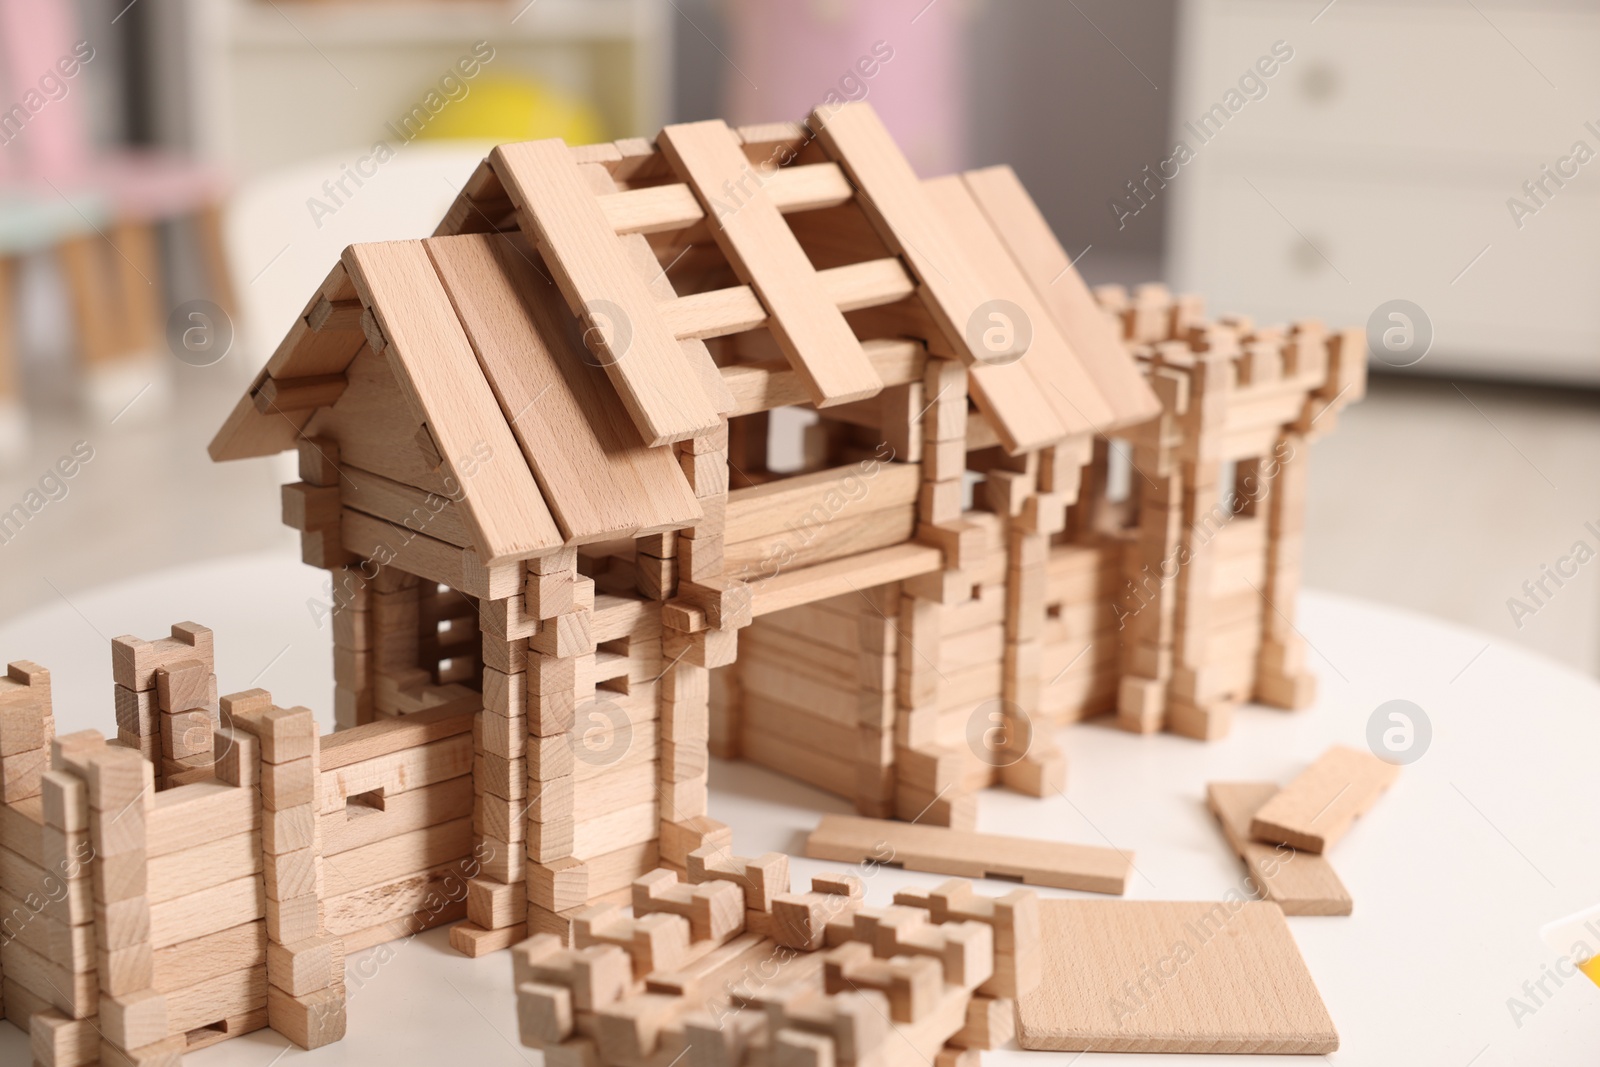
(641, 356)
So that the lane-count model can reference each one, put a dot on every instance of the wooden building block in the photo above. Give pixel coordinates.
(304, 967)
(135, 1019)
(762, 879)
(1319, 806)
(1242, 986)
(311, 1021)
(715, 909)
(183, 685)
(1301, 883)
(971, 854)
(134, 661)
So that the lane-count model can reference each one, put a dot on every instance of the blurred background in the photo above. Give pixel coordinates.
(175, 176)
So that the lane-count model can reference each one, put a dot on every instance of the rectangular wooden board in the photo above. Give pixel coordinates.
(1299, 882)
(969, 854)
(600, 479)
(1027, 236)
(436, 368)
(1172, 976)
(640, 354)
(1319, 806)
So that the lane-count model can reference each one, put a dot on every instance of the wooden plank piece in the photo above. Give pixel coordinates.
(1172, 976)
(437, 370)
(972, 855)
(1319, 806)
(1299, 882)
(600, 479)
(1028, 237)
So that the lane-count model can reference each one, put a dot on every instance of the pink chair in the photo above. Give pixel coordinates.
(114, 274)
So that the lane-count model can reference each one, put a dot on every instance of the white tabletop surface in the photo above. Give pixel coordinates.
(1481, 841)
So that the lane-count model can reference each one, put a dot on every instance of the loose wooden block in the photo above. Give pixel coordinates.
(970, 854)
(1172, 976)
(1319, 806)
(1301, 883)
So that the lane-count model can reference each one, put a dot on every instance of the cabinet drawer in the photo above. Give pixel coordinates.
(1526, 309)
(1426, 85)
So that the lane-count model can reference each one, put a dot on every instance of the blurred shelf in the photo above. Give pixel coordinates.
(373, 23)
(258, 85)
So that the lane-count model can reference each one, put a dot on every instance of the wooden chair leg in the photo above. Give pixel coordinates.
(13, 416)
(139, 291)
(208, 224)
(92, 308)
(10, 377)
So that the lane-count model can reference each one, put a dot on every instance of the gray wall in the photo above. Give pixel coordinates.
(1057, 92)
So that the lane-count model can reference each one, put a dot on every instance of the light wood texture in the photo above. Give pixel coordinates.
(440, 376)
(809, 499)
(1319, 806)
(972, 855)
(804, 585)
(892, 197)
(581, 248)
(762, 387)
(599, 478)
(1049, 270)
(765, 255)
(1060, 376)
(1299, 882)
(1168, 976)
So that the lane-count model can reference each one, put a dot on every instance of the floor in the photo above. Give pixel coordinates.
(1440, 497)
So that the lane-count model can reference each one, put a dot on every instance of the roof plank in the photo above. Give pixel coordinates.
(437, 370)
(1029, 239)
(601, 481)
(642, 358)
(892, 196)
(1047, 357)
(766, 255)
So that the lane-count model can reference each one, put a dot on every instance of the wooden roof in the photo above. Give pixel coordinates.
(543, 357)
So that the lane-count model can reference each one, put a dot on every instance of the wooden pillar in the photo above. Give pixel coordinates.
(1146, 607)
(1194, 708)
(1282, 679)
(305, 966)
(121, 793)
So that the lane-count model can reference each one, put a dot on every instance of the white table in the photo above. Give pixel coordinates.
(1481, 841)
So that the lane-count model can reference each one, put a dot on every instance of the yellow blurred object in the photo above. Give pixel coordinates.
(511, 108)
(1591, 967)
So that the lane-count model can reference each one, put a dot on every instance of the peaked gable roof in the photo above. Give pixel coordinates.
(544, 356)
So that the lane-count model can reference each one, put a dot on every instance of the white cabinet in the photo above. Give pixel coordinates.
(1378, 166)
(261, 83)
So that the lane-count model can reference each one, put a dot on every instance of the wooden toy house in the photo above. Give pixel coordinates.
(540, 456)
